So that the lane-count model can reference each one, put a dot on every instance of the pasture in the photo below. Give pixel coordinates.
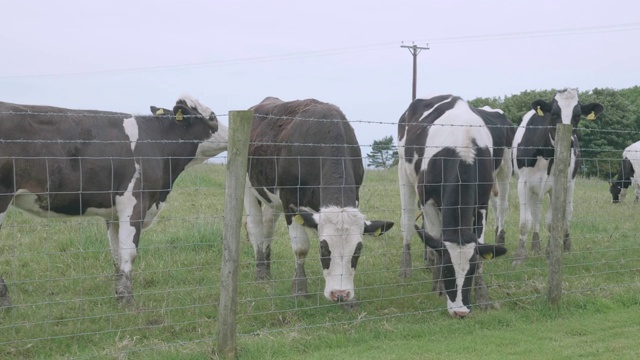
(59, 273)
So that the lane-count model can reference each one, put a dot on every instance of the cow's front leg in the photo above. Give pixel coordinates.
(127, 233)
(300, 246)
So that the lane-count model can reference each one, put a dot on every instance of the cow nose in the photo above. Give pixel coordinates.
(340, 295)
(461, 313)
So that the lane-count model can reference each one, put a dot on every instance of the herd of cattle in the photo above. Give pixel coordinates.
(455, 161)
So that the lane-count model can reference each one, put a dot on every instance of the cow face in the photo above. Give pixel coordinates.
(340, 231)
(617, 191)
(188, 109)
(459, 262)
(565, 109)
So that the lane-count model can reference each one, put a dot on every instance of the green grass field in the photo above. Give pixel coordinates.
(60, 276)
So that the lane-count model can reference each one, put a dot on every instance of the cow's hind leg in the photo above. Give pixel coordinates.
(480, 289)
(300, 246)
(256, 233)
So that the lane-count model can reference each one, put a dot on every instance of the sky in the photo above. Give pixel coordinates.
(126, 55)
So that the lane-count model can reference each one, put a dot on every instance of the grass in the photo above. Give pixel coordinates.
(60, 276)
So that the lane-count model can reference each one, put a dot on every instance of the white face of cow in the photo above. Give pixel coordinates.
(340, 231)
(567, 101)
(459, 281)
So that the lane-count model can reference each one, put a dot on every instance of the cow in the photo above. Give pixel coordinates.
(533, 151)
(626, 176)
(447, 160)
(305, 162)
(502, 132)
(121, 167)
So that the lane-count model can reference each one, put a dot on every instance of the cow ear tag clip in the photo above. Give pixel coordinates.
(159, 112)
(540, 113)
(591, 116)
(298, 218)
(179, 116)
(488, 256)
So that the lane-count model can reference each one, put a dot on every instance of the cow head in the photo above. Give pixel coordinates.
(459, 261)
(565, 109)
(340, 231)
(618, 186)
(189, 109)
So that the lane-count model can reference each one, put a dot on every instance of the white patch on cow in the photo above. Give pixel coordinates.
(196, 105)
(457, 128)
(489, 108)
(567, 101)
(343, 229)
(131, 129)
(484, 226)
(125, 204)
(460, 258)
(212, 146)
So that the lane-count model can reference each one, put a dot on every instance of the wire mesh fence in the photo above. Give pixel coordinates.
(60, 275)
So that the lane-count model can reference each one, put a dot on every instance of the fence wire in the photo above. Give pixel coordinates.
(60, 276)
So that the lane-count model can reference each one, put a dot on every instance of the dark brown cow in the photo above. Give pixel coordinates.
(305, 161)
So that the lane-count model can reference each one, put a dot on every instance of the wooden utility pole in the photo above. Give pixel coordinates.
(415, 50)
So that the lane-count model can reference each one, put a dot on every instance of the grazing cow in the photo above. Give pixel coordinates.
(533, 151)
(626, 176)
(447, 159)
(64, 162)
(305, 161)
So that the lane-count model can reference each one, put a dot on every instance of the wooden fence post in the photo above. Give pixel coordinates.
(237, 158)
(560, 174)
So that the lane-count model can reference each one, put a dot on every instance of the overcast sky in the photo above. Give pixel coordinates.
(125, 55)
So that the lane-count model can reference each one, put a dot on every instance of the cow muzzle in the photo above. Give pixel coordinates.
(340, 295)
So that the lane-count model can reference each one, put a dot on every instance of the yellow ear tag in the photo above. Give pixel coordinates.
(488, 256)
(160, 112)
(179, 115)
(540, 113)
(298, 218)
(591, 116)
(378, 232)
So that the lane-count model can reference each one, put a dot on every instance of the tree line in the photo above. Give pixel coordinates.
(602, 141)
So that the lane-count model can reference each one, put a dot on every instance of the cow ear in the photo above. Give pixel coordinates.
(159, 111)
(377, 227)
(591, 110)
(490, 251)
(304, 217)
(430, 241)
(182, 113)
(541, 107)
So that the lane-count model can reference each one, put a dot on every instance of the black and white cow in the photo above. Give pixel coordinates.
(121, 167)
(447, 160)
(305, 161)
(626, 176)
(533, 151)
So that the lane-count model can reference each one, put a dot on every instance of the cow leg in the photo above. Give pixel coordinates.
(480, 288)
(255, 231)
(300, 246)
(524, 198)
(270, 217)
(408, 198)
(130, 218)
(433, 224)
(635, 201)
(500, 204)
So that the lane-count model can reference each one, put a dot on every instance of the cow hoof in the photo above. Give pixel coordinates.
(500, 237)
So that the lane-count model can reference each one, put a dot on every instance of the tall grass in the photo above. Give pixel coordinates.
(60, 276)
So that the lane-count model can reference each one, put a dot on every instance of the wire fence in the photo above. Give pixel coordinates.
(59, 273)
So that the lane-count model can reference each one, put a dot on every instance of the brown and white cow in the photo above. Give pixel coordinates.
(121, 167)
(447, 162)
(305, 161)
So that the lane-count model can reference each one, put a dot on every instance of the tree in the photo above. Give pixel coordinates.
(383, 153)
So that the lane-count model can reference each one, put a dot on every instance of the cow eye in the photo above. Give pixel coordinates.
(325, 254)
(356, 255)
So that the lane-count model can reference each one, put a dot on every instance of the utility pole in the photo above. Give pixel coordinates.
(415, 50)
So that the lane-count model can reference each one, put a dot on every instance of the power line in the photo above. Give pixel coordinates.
(345, 50)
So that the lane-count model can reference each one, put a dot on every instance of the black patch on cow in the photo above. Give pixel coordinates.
(622, 180)
(502, 132)
(325, 254)
(356, 256)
